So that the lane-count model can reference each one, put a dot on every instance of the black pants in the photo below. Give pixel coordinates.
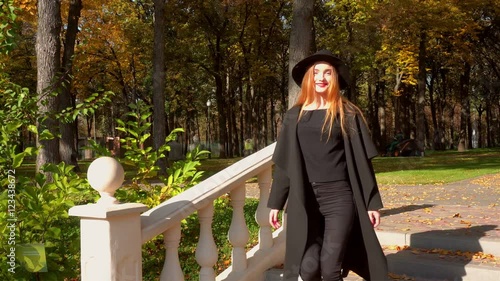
(323, 258)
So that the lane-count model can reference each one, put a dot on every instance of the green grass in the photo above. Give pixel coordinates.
(437, 167)
(214, 165)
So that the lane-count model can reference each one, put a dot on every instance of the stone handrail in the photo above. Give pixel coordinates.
(112, 234)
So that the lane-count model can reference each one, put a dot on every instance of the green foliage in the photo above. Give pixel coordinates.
(184, 173)
(36, 206)
(41, 210)
(14, 113)
(7, 26)
(39, 206)
(144, 159)
(98, 149)
(85, 108)
(137, 131)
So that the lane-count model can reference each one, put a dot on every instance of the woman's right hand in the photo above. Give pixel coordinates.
(273, 218)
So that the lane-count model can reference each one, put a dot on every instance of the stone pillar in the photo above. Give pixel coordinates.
(262, 213)
(110, 237)
(206, 251)
(238, 231)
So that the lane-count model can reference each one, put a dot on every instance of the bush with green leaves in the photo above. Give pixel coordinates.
(8, 26)
(143, 160)
(42, 218)
(37, 207)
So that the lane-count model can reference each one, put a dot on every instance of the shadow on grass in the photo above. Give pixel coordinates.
(404, 209)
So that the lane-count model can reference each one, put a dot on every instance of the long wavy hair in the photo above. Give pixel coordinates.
(339, 105)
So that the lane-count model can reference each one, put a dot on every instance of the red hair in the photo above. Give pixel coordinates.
(338, 104)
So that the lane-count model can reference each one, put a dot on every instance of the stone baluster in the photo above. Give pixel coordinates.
(206, 251)
(172, 268)
(262, 214)
(238, 231)
(110, 233)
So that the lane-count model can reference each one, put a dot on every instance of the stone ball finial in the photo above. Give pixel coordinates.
(106, 175)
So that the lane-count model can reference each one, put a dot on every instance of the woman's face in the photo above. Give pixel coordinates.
(323, 73)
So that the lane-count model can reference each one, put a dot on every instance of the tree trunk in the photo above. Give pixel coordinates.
(431, 99)
(243, 114)
(488, 125)
(379, 125)
(479, 132)
(68, 129)
(420, 112)
(301, 41)
(436, 140)
(159, 126)
(48, 51)
(464, 111)
(442, 108)
(469, 123)
(230, 123)
(221, 109)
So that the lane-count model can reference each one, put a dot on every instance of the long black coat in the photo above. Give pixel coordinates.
(364, 254)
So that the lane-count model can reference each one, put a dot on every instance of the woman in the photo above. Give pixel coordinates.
(323, 170)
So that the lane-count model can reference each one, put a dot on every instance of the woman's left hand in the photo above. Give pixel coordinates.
(374, 218)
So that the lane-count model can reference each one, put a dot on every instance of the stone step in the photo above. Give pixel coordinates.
(403, 266)
(442, 240)
(275, 274)
(427, 260)
(436, 265)
(428, 265)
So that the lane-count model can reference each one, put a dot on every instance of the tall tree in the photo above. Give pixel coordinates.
(301, 41)
(48, 48)
(420, 107)
(159, 121)
(68, 128)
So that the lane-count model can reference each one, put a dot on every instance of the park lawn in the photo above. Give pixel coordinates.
(437, 167)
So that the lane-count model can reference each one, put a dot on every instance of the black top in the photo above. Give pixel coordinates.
(324, 157)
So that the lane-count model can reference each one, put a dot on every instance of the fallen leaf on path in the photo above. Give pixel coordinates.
(394, 276)
(466, 223)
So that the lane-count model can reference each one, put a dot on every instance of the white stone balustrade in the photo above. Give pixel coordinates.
(262, 214)
(112, 233)
(106, 175)
(238, 231)
(206, 252)
(172, 270)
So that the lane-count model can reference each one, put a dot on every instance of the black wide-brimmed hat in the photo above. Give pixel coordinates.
(299, 70)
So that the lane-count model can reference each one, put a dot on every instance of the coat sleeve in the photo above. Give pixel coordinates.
(279, 189)
(359, 151)
(374, 201)
(281, 157)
